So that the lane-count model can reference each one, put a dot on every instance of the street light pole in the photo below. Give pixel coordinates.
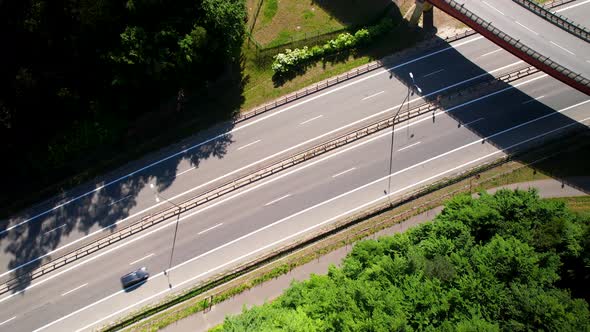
(407, 98)
(414, 87)
(391, 150)
(158, 196)
(173, 242)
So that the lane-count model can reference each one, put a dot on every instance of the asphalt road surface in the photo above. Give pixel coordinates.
(282, 208)
(535, 32)
(86, 213)
(575, 12)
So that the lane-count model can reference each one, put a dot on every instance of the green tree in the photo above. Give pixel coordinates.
(487, 264)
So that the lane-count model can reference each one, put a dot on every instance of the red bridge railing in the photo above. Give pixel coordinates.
(486, 29)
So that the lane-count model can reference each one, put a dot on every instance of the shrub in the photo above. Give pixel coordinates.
(292, 59)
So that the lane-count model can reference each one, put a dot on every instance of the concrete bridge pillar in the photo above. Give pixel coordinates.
(423, 8)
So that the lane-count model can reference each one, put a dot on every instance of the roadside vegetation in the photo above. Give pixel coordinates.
(280, 22)
(89, 80)
(293, 60)
(508, 261)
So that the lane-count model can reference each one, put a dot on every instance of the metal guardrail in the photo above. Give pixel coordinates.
(577, 77)
(561, 21)
(556, 3)
(433, 42)
(156, 218)
(342, 225)
(333, 81)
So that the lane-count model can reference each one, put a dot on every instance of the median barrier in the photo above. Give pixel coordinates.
(158, 217)
(210, 288)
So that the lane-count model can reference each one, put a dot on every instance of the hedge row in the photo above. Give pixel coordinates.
(292, 59)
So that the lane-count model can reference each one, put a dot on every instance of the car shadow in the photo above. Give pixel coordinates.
(134, 287)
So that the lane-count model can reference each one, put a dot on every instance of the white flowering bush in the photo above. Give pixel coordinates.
(292, 59)
(285, 62)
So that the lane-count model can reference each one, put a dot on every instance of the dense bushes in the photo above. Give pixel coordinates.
(507, 262)
(293, 59)
(76, 69)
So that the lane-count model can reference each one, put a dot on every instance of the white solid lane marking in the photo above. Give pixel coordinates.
(301, 231)
(572, 6)
(247, 145)
(117, 201)
(54, 229)
(563, 48)
(408, 146)
(139, 260)
(373, 95)
(433, 73)
(213, 250)
(185, 171)
(342, 173)
(274, 113)
(8, 320)
(210, 228)
(73, 290)
(472, 122)
(524, 26)
(310, 120)
(494, 8)
(262, 160)
(492, 52)
(533, 99)
(219, 202)
(276, 200)
(280, 176)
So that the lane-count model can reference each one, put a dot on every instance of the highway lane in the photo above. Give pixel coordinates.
(307, 188)
(535, 32)
(575, 11)
(253, 143)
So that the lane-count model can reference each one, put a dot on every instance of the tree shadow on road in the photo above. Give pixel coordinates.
(121, 197)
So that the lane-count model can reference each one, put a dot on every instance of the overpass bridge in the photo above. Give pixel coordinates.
(556, 46)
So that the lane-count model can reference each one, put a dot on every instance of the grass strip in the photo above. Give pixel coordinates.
(580, 205)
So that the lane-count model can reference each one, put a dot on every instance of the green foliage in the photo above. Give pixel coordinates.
(270, 10)
(308, 14)
(494, 263)
(192, 44)
(87, 59)
(133, 47)
(226, 20)
(291, 60)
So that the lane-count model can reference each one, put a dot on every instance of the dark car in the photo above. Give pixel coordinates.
(135, 277)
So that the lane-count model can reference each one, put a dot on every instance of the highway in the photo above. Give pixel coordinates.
(575, 12)
(268, 214)
(247, 146)
(255, 219)
(535, 32)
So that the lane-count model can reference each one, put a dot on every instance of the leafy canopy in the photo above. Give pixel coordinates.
(510, 262)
